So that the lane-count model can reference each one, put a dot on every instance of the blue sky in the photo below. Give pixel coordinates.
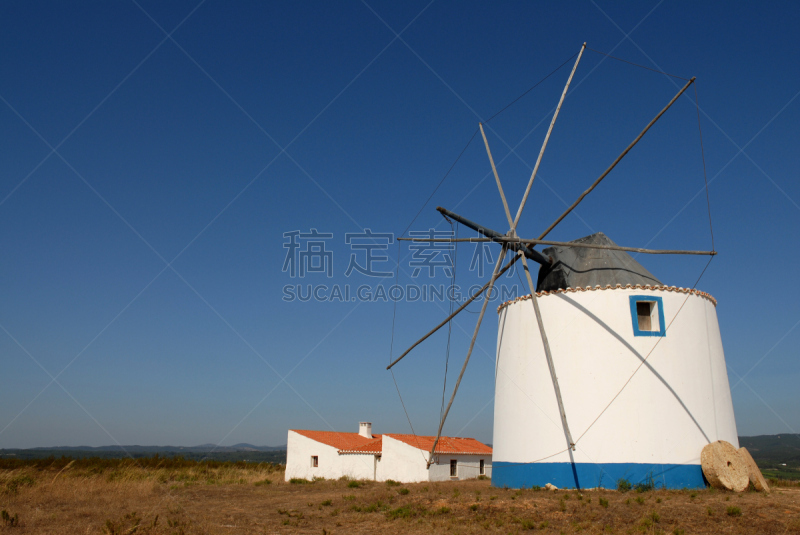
(156, 153)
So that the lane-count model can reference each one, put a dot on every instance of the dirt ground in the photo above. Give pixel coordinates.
(231, 501)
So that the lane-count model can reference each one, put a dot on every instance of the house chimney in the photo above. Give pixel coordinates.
(365, 429)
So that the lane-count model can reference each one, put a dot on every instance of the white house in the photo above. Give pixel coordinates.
(403, 458)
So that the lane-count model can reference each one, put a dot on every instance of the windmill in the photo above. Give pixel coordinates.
(523, 343)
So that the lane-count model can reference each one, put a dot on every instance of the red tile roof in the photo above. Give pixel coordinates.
(340, 441)
(374, 446)
(445, 445)
(355, 443)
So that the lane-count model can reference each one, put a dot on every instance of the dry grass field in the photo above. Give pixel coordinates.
(165, 496)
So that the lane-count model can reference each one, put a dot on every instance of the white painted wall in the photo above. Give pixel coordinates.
(468, 467)
(595, 352)
(405, 463)
(300, 449)
(401, 462)
(358, 466)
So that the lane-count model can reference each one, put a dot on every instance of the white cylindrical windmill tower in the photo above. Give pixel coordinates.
(641, 371)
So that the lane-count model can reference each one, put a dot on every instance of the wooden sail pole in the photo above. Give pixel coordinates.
(451, 316)
(546, 139)
(494, 170)
(548, 355)
(469, 352)
(619, 158)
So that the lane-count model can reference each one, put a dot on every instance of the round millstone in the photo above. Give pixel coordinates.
(723, 467)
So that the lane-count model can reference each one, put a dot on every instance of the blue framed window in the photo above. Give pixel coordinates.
(647, 315)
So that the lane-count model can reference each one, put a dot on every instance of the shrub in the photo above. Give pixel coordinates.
(647, 485)
(298, 481)
(13, 485)
(8, 520)
(263, 482)
(623, 485)
(401, 512)
(649, 520)
(373, 507)
(326, 502)
(392, 483)
(655, 517)
(603, 503)
(403, 491)
(353, 484)
(734, 511)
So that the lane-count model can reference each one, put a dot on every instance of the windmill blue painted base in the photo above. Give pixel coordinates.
(589, 475)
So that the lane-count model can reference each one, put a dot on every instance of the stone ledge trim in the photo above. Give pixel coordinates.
(690, 291)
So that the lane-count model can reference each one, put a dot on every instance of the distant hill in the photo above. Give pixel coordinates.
(158, 449)
(237, 452)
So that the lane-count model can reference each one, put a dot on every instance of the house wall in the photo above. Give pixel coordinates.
(407, 464)
(401, 462)
(358, 466)
(676, 402)
(468, 467)
(300, 449)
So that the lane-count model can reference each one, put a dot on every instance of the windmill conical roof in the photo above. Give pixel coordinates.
(582, 267)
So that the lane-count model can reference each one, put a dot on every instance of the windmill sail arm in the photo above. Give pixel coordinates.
(496, 176)
(495, 274)
(451, 316)
(548, 357)
(546, 138)
(619, 158)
